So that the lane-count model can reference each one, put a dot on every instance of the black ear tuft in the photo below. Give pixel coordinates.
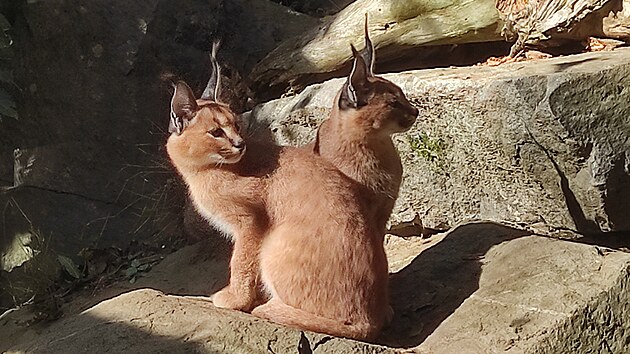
(183, 106)
(355, 90)
(213, 87)
(368, 52)
(316, 146)
(347, 100)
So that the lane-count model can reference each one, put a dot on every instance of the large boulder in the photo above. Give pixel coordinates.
(84, 160)
(480, 288)
(486, 288)
(83, 163)
(538, 143)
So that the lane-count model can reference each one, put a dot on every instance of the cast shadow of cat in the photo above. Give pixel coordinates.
(436, 282)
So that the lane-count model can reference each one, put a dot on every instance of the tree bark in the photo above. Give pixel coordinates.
(392, 25)
(396, 27)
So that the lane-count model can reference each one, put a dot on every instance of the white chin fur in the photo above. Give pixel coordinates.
(220, 160)
(234, 159)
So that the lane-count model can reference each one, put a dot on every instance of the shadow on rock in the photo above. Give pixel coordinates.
(617, 240)
(138, 321)
(148, 321)
(197, 270)
(437, 282)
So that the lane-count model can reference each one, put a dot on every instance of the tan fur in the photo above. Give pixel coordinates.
(358, 141)
(300, 229)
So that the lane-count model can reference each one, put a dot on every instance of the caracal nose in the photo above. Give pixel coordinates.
(239, 144)
(414, 111)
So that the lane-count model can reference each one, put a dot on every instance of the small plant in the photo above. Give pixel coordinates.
(423, 146)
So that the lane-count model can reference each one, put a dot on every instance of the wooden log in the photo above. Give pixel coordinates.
(398, 26)
(393, 24)
(546, 23)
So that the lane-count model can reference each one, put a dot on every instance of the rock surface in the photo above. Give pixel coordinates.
(537, 295)
(539, 143)
(147, 321)
(480, 288)
(88, 150)
(84, 163)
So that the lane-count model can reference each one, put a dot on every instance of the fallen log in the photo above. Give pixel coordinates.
(546, 23)
(391, 23)
(398, 28)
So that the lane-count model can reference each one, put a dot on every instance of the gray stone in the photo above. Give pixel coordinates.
(91, 168)
(601, 327)
(517, 294)
(147, 321)
(138, 319)
(88, 156)
(541, 143)
(480, 288)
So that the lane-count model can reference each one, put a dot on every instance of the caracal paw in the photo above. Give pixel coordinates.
(226, 299)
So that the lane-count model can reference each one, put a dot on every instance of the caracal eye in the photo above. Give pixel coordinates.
(217, 133)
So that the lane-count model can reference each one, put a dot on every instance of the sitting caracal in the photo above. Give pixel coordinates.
(356, 137)
(299, 226)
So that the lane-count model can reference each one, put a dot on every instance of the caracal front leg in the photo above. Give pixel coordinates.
(240, 294)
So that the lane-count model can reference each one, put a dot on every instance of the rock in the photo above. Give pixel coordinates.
(480, 288)
(84, 142)
(487, 289)
(149, 321)
(539, 143)
(180, 37)
(94, 113)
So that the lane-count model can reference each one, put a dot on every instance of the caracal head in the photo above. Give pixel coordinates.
(203, 132)
(371, 102)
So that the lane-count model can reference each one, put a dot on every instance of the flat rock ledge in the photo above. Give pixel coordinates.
(541, 143)
(480, 288)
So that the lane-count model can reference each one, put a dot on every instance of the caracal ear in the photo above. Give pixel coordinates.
(354, 91)
(368, 52)
(316, 145)
(213, 88)
(183, 106)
